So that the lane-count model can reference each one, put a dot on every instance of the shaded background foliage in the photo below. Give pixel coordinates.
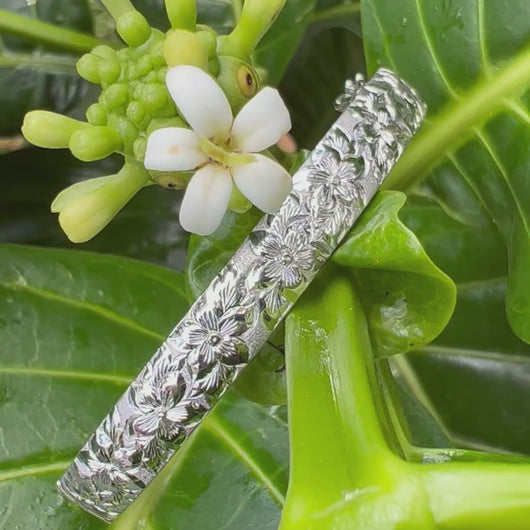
(76, 327)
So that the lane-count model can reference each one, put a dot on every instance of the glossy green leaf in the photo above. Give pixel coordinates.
(208, 255)
(74, 330)
(474, 378)
(470, 61)
(407, 299)
(316, 76)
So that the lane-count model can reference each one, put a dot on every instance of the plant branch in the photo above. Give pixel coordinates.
(46, 62)
(336, 440)
(479, 495)
(335, 12)
(45, 33)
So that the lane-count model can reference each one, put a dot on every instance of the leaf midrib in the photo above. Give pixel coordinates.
(66, 374)
(31, 471)
(446, 131)
(84, 305)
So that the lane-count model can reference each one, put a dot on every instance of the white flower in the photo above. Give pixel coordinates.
(221, 148)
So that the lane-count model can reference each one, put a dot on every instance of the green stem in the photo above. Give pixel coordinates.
(46, 62)
(48, 34)
(336, 441)
(257, 17)
(117, 8)
(485, 496)
(452, 127)
(335, 12)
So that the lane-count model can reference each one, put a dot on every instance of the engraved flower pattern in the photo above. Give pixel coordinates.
(108, 458)
(214, 333)
(287, 256)
(334, 179)
(163, 405)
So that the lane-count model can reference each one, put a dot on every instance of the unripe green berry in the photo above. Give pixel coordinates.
(137, 114)
(48, 129)
(144, 65)
(126, 129)
(139, 148)
(109, 71)
(159, 123)
(157, 54)
(93, 143)
(133, 28)
(185, 47)
(161, 76)
(105, 52)
(177, 180)
(151, 77)
(131, 72)
(154, 96)
(209, 39)
(116, 95)
(124, 55)
(96, 114)
(88, 68)
(213, 66)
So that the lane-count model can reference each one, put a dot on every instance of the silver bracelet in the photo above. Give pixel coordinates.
(229, 323)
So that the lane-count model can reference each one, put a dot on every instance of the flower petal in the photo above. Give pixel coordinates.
(173, 149)
(200, 100)
(205, 200)
(261, 122)
(264, 183)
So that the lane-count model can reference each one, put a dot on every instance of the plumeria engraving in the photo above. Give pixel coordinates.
(214, 332)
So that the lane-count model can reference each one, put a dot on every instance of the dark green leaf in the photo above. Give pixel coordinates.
(75, 328)
(280, 43)
(208, 255)
(474, 378)
(407, 299)
(471, 63)
(324, 60)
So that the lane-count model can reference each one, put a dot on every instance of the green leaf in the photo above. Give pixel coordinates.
(281, 42)
(407, 299)
(316, 76)
(208, 255)
(75, 328)
(471, 63)
(474, 378)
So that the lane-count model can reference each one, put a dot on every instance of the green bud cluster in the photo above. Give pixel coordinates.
(134, 100)
(133, 85)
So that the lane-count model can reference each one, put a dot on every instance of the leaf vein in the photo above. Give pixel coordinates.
(215, 427)
(85, 306)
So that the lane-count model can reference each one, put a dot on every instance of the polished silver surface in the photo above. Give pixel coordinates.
(233, 318)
